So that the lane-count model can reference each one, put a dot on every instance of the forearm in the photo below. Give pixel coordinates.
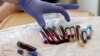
(6, 9)
(11, 1)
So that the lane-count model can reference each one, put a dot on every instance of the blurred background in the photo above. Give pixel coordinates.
(92, 6)
(88, 8)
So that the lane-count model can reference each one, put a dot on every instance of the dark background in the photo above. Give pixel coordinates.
(54, 1)
(51, 1)
(1, 2)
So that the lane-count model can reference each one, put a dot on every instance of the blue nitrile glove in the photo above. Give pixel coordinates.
(32, 53)
(37, 8)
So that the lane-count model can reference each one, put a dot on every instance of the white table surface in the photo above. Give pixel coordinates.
(92, 48)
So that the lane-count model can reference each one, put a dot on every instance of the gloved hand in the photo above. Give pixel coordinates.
(37, 8)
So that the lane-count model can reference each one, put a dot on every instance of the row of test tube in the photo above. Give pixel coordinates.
(53, 35)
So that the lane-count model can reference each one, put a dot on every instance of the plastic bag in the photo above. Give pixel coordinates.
(30, 34)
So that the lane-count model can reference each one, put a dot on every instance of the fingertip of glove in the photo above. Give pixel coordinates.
(42, 25)
(68, 20)
(76, 6)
